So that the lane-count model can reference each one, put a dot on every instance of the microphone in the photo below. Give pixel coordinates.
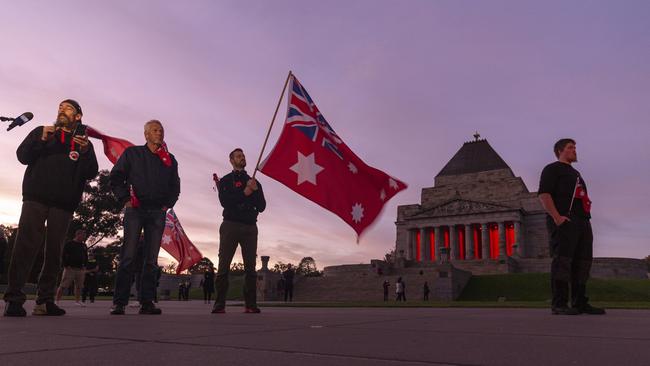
(21, 120)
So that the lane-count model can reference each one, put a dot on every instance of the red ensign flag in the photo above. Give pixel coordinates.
(311, 159)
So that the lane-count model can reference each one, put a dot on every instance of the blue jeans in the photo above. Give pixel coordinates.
(153, 223)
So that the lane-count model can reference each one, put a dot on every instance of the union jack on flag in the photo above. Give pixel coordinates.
(304, 115)
(311, 159)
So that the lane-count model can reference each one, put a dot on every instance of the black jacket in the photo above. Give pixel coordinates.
(155, 184)
(51, 177)
(236, 205)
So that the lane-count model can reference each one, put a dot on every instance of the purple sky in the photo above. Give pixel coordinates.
(404, 83)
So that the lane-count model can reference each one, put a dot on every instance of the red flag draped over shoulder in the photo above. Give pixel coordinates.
(175, 241)
(113, 146)
(311, 159)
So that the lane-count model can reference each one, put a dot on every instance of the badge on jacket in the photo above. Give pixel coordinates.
(74, 155)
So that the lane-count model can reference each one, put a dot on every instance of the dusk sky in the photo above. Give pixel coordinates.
(403, 83)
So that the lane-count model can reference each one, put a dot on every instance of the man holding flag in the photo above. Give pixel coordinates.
(145, 179)
(242, 199)
(563, 194)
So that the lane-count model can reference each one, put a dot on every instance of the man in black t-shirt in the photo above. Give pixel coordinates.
(563, 193)
(74, 258)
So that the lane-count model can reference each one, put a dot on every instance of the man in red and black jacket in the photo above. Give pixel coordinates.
(144, 179)
(563, 194)
(60, 160)
(242, 199)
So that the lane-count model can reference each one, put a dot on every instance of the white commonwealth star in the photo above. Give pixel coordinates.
(113, 152)
(166, 239)
(353, 168)
(392, 183)
(382, 195)
(306, 168)
(357, 212)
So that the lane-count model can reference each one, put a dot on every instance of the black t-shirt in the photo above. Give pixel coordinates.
(74, 255)
(559, 180)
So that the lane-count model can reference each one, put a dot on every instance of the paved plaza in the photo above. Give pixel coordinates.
(187, 334)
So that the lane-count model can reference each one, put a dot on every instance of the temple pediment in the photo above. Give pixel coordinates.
(460, 207)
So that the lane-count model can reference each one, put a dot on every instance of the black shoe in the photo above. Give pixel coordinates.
(588, 309)
(14, 309)
(564, 310)
(48, 308)
(150, 309)
(117, 310)
(217, 309)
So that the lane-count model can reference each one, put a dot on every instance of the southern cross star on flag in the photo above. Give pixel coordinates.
(174, 241)
(311, 159)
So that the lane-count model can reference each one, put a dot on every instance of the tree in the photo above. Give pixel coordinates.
(237, 268)
(307, 267)
(647, 261)
(99, 212)
(203, 265)
(280, 267)
(170, 268)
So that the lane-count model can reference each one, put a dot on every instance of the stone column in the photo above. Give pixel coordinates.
(438, 241)
(425, 248)
(502, 240)
(485, 241)
(469, 242)
(518, 237)
(453, 242)
(265, 262)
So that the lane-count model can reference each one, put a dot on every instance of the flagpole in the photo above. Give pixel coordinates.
(268, 133)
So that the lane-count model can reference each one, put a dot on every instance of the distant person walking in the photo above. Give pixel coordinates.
(425, 291)
(400, 290)
(386, 285)
(90, 280)
(181, 291)
(288, 276)
(74, 258)
(208, 285)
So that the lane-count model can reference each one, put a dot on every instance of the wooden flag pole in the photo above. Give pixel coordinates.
(268, 133)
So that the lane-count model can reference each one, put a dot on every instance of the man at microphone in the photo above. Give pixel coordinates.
(60, 160)
(144, 179)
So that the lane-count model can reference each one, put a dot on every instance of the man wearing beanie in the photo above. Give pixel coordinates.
(144, 179)
(60, 160)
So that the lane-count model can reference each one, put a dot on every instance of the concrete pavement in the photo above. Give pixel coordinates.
(187, 334)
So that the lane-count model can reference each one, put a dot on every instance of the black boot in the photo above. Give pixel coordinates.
(14, 309)
(581, 302)
(150, 309)
(561, 298)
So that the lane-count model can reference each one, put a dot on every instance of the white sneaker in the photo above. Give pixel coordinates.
(79, 304)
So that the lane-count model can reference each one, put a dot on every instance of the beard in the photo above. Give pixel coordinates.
(62, 120)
